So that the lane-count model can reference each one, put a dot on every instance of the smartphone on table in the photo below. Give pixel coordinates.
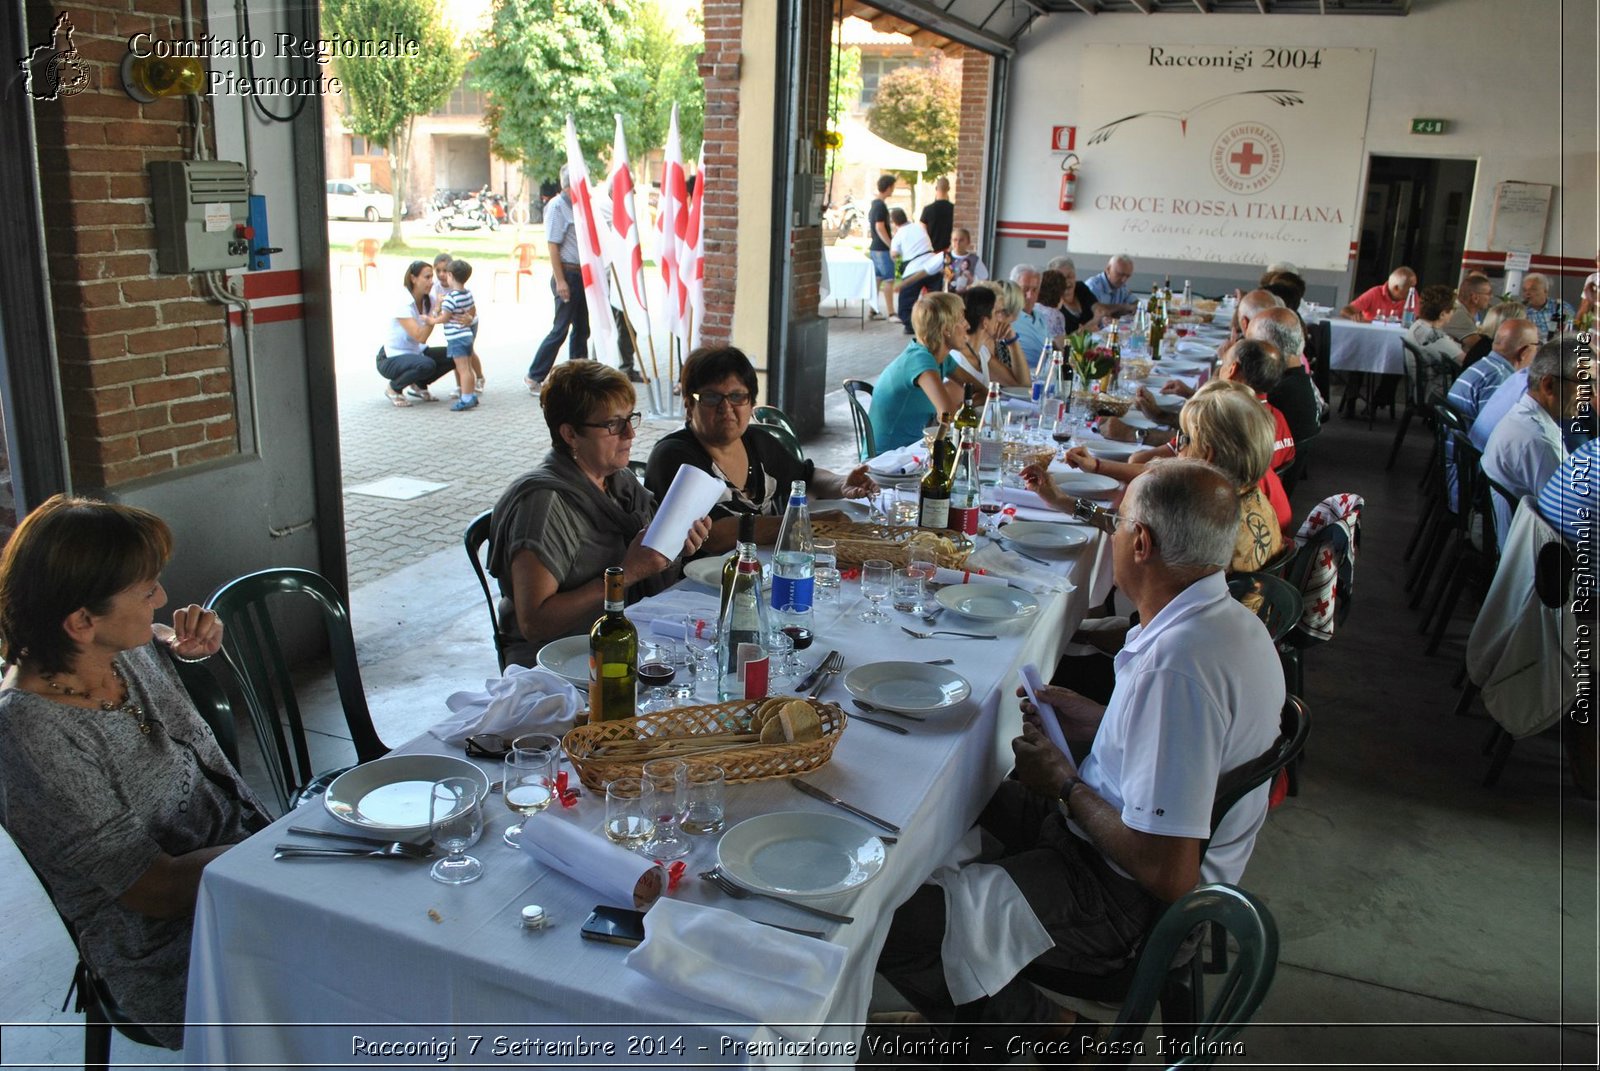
(614, 925)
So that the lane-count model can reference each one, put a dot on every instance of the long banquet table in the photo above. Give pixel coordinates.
(313, 963)
(1363, 347)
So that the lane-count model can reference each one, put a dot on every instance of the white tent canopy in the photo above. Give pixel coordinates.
(862, 146)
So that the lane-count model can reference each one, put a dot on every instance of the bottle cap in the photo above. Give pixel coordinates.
(533, 917)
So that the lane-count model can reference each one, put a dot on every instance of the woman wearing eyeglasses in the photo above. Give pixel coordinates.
(557, 528)
(720, 395)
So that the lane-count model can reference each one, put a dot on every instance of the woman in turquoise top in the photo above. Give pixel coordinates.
(914, 389)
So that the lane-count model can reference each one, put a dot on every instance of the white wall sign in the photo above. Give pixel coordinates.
(1222, 154)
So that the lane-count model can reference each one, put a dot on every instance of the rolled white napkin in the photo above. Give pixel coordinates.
(1038, 579)
(774, 977)
(618, 875)
(526, 700)
(1021, 496)
(900, 462)
(943, 576)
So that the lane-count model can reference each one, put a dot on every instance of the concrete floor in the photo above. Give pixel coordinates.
(1424, 919)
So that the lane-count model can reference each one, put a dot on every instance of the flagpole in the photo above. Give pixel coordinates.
(633, 337)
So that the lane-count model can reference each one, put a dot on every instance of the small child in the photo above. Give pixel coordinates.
(460, 317)
(441, 268)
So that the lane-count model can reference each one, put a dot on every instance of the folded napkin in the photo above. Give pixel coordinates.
(618, 875)
(944, 576)
(725, 960)
(1047, 515)
(526, 700)
(675, 602)
(1038, 579)
(1021, 496)
(900, 462)
(990, 934)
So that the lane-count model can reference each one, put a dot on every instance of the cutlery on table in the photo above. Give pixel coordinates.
(827, 797)
(398, 850)
(829, 669)
(944, 632)
(812, 677)
(873, 708)
(1011, 547)
(731, 888)
(939, 662)
(891, 726)
(355, 838)
(818, 934)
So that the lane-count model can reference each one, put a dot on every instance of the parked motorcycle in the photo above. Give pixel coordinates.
(470, 213)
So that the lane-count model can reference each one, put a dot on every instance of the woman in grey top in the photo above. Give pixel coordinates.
(556, 528)
(110, 783)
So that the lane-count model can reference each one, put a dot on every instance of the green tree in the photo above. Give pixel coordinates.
(920, 108)
(544, 59)
(385, 94)
(844, 82)
(658, 71)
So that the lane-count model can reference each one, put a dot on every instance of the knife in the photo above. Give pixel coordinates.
(811, 678)
(376, 842)
(818, 794)
(891, 726)
(1011, 547)
(872, 708)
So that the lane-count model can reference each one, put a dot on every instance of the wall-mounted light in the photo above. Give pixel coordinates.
(149, 78)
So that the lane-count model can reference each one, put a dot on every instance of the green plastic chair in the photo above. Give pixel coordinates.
(866, 446)
(210, 698)
(774, 423)
(1278, 605)
(251, 648)
(1238, 996)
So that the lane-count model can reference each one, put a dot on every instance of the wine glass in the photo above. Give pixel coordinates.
(670, 779)
(455, 820)
(530, 777)
(875, 576)
(658, 668)
(989, 507)
(797, 627)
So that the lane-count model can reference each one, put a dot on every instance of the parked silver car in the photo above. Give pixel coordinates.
(349, 199)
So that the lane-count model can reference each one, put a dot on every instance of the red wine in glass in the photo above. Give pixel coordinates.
(988, 509)
(656, 674)
(1062, 435)
(801, 636)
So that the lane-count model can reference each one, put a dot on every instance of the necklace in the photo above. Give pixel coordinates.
(126, 706)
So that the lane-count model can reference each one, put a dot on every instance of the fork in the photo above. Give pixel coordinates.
(398, 850)
(730, 888)
(939, 662)
(830, 669)
(944, 632)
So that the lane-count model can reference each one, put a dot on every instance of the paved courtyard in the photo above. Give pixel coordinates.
(476, 454)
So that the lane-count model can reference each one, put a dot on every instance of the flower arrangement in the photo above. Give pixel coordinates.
(1090, 362)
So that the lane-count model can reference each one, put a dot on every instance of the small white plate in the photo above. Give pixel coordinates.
(1085, 484)
(388, 797)
(802, 854)
(1024, 394)
(568, 658)
(1043, 535)
(914, 687)
(1167, 366)
(706, 571)
(1196, 348)
(988, 602)
(1111, 451)
(1138, 421)
(1169, 403)
(854, 508)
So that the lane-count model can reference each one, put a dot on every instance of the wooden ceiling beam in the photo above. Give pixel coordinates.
(1142, 5)
(1088, 7)
(1204, 6)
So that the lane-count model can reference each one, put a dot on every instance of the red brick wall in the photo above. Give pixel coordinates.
(719, 70)
(805, 243)
(145, 370)
(975, 74)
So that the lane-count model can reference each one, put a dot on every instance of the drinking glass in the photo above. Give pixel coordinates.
(989, 506)
(669, 777)
(781, 662)
(630, 811)
(825, 572)
(905, 589)
(659, 661)
(904, 506)
(926, 568)
(875, 576)
(703, 809)
(530, 777)
(795, 624)
(455, 820)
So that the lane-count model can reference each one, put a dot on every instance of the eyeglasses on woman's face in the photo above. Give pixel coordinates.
(617, 425)
(710, 399)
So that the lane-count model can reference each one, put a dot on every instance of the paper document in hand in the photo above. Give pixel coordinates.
(1047, 713)
(691, 496)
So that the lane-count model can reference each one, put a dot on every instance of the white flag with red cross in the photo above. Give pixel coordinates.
(629, 264)
(602, 329)
(672, 220)
(695, 264)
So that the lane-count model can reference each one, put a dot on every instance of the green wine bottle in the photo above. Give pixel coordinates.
(613, 658)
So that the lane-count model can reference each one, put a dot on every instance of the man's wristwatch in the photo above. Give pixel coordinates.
(1065, 795)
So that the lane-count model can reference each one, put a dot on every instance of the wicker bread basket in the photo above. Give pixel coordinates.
(610, 749)
(859, 542)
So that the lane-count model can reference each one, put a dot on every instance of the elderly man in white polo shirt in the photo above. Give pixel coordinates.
(1031, 327)
(1093, 855)
(1525, 448)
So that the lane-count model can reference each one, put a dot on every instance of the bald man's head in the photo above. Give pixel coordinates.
(1281, 327)
(1517, 341)
(1255, 303)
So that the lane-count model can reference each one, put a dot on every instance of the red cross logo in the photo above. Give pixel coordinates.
(1246, 158)
(1327, 558)
(1320, 608)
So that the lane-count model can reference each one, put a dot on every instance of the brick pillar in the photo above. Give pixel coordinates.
(805, 243)
(146, 379)
(974, 136)
(719, 71)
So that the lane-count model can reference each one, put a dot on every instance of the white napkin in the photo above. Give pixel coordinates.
(1046, 515)
(1037, 579)
(526, 700)
(609, 869)
(1021, 496)
(899, 462)
(990, 931)
(675, 602)
(774, 977)
(943, 576)
(692, 494)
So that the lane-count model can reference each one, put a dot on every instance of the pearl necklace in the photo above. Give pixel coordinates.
(126, 706)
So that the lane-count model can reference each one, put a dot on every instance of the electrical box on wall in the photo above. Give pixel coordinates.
(201, 214)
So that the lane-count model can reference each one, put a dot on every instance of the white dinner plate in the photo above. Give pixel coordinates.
(1138, 421)
(1196, 348)
(1044, 535)
(1085, 484)
(388, 797)
(1111, 451)
(707, 571)
(1024, 394)
(914, 687)
(988, 602)
(1167, 366)
(854, 508)
(1168, 403)
(800, 853)
(568, 657)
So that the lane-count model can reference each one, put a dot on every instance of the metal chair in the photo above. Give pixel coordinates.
(250, 645)
(1240, 994)
(866, 447)
(477, 536)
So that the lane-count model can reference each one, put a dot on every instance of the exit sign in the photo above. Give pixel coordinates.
(1428, 126)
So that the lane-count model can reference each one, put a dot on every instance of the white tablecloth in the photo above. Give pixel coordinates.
(847, 275)
(1360, 347)
(376, 950)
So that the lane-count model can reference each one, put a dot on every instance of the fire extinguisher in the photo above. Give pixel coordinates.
(1069, 181)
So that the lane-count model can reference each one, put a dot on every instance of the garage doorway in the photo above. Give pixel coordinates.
(1415, 214)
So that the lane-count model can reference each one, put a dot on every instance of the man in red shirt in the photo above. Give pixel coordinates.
(1388, 299)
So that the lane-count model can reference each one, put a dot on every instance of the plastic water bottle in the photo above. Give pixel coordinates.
(793, 556)
(990, 437)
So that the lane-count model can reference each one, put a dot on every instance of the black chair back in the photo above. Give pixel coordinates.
(1274, 600)
(475, 540)
(1294, 726)
(866, 446)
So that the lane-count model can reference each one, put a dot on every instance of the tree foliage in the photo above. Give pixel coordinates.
(920, 108)
(385, 94)
(659, 71)
(844, 82)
